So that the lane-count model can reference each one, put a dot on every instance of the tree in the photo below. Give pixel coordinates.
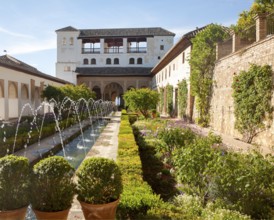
(252, 92)
(202, 62)
(53, 92)
(58, 93)
(141, 100)
(77, 92)
(247, 18)
(182, 97)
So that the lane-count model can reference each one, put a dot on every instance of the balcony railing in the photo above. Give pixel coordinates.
(90, 50)
(136, 49)
(113, 50)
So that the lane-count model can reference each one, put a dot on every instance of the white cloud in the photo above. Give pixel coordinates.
(17, 43)
(14, 34)
(31, 46)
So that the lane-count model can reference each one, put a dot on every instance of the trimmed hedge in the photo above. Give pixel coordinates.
(137, 197)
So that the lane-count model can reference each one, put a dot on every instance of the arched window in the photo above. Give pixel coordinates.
(1, 91)
(139, 61)
(24, 92)
(116, 61)
(85, 61)
(64, 41)
(93, 61)
(131, 61)
(13, 90)
(108, 61)
(97, 91)
(71, 41)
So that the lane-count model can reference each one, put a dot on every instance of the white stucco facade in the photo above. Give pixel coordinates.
(20, 89)
(137, 47)
(172, 69)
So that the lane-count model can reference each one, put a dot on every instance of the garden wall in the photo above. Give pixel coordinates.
(222, 107)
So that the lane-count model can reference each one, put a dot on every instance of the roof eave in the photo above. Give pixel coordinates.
(34, 74)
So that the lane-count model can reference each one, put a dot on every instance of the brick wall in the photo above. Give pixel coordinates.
(222, 107)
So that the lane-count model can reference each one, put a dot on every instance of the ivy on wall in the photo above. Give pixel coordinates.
(169, 89)
(252, 92)
(162, 94)
(202, 61)
(182, 97)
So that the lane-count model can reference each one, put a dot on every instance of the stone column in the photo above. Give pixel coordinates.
(32, 90)
(6, 99)
(236, 43)
(19, 97)
(137, 84)
(261, 27)
(124, 45)
(102, 45)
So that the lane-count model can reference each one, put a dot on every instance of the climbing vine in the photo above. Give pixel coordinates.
(162, 99)
(252, 92)
(169, 89)
(182, 97)
(202, 61)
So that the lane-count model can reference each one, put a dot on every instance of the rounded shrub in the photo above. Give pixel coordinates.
(99, 181)
(14, 182)
(52, 185)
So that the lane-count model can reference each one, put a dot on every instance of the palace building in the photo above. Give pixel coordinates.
(21, 85)
(171, 70)
(110, 61)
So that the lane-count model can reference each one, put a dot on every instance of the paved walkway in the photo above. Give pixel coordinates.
(105, 146)
(229, 142)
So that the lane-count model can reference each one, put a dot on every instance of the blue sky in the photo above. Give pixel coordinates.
(27, 27)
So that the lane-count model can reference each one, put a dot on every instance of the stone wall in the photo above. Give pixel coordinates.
(222, 107)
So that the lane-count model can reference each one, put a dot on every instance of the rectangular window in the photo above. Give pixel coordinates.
(67, 68)
(183, 57)
(162, 47)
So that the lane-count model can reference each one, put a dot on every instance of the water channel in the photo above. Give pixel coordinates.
(77, 149)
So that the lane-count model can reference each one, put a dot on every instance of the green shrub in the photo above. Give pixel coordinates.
(244, 182)
(137, 198)
(176, 137)
(181, 207)
(14, 182)
(99, 181)
(165, 211)
(52, 185)
(224, 214)
(191, 163)
(132, 118)
(192, 205)
(124, 112)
